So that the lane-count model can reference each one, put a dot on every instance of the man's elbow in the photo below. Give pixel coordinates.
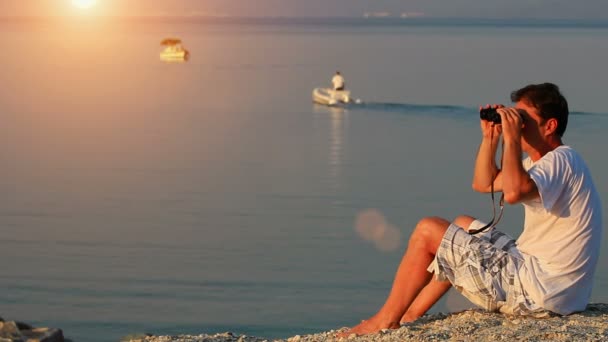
(513, 197)
(521, 193)
(478, 188)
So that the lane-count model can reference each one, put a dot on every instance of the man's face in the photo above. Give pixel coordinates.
(533, 131)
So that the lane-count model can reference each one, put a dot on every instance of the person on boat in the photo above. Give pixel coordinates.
(550, 267)
(338, 81)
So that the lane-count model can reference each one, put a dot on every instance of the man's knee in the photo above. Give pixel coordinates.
(464, 221)
(430, 231)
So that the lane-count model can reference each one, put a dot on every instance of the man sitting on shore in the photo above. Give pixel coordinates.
(550, 267)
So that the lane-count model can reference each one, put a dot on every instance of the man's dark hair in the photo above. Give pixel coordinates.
(549, 101)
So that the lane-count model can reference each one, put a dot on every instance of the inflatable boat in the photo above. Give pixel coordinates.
(174, 51)
(330, 97)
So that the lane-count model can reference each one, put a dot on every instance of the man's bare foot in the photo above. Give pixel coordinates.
(371, 326)
(407, 318)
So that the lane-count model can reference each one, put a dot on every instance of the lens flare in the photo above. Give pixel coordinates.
(371, 225)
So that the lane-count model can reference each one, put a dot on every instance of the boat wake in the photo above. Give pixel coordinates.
(409, 107)
(418, 109)
(406, 108)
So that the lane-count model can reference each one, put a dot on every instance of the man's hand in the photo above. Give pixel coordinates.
(488, 128)
(511, 122)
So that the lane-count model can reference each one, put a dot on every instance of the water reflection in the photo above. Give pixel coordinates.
(338, 119)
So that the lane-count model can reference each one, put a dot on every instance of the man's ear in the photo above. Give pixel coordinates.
(551, 126)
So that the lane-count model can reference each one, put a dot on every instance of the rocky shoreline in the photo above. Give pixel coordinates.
(469, 325)
(13, 331)
(589, 325)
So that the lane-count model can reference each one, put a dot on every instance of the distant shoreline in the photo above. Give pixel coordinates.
(337, 20)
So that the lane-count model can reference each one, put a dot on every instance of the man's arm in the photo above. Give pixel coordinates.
(517, 185)
(486, 172)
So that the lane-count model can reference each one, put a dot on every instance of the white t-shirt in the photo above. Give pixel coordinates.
(338, 81)
(561, 239)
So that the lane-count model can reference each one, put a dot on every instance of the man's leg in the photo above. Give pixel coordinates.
(412, 276)
(435, 289)
(425, 300)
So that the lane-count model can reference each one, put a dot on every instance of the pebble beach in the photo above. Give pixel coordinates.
(469, 325)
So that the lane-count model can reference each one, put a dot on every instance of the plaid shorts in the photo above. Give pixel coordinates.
(484, 269)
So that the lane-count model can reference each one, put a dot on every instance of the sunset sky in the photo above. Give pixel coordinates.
(588, 9)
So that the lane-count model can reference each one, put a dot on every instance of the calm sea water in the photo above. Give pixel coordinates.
(140, 196)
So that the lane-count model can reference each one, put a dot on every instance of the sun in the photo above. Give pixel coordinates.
(84, 3)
